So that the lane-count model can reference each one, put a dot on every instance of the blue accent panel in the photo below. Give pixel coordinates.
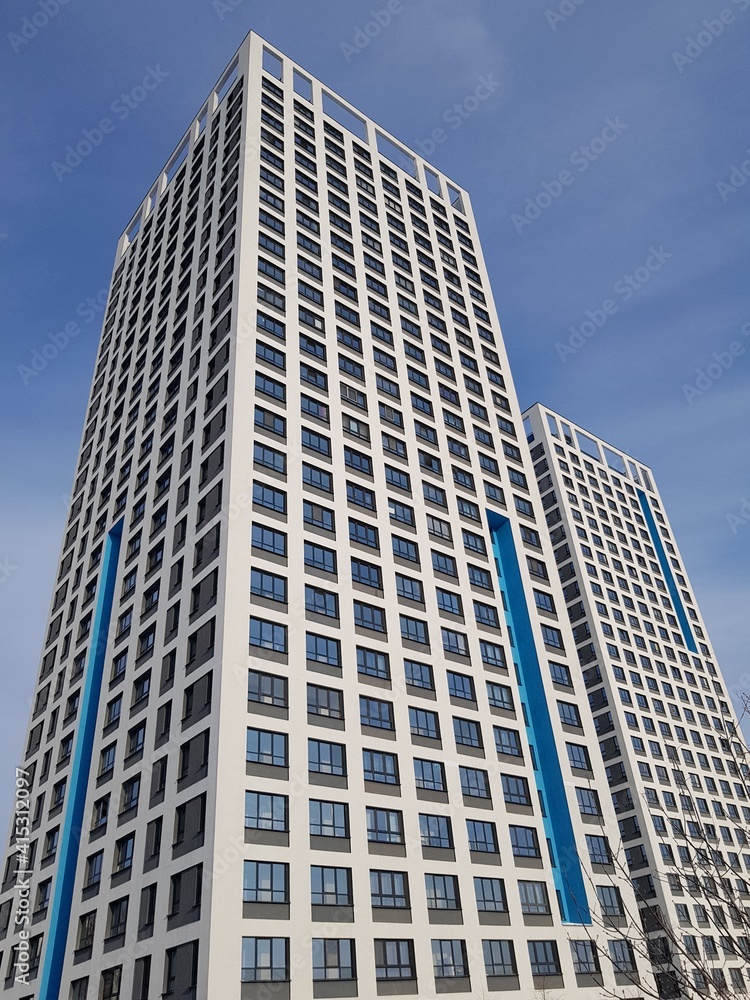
(72, 826)
(666, 569)
(558, 824)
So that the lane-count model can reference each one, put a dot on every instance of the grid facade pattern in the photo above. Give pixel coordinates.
(675, 762)
(303, 421)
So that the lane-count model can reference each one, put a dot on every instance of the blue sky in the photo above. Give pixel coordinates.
(600, 163)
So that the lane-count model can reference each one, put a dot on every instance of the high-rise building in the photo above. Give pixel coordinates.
(309, 720)
(675, 762)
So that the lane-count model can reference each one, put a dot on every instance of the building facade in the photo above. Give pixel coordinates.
(675, 761)
(307, 610)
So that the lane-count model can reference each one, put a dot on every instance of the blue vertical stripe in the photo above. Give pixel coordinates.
(68, 848)
(545, 750)
(666, 569)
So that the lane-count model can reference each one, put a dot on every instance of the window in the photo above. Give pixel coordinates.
(380, 767)
(449, 959)
(318, 479)
(424, 723)
(435, 831)
(569, 714)
(560, 674)
(499, 958)
(363, 534)
(329, 819)
(500, 696)
(460, 686)
(389, 890)
(333, 958)
(418, 675)
(516, 789)
(524, 841)
(268, 585)
(323, 701)
(376, 713)
(360, 496)
(474, 782)
(326, 758)
(444, 564)
(414, 630)
(269, 540)
(330, 886)
(585, 957)
(622, 955)
(544, 958)
(449, 602)
(321, 602)
(588, 802)
(409, 588)
(394, 959)
(482, 836)
(373, 663)
(384, 826)
(490, 895)
(111, 983)
(610, 900)
(442, 892)
(508, 741)
(265, 959)
(266, 747)
(317, 516)
(534, 897)
(268, 635)
(265, 882)
(266, 812)
(468, 733)
(454, 642)
(598, 848)
(429, 774)
(124, 853)
(319, 557)
(492, 654)
(321, 649)
(578, 756)
(370, 617)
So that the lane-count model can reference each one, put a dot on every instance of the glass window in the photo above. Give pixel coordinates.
(524, 841)
(385, 826)
(435, 831)
(389, 889)
(266, 812)
(330, 886)
(265, 882)
(266, 747)
(499, 958)
(329, 819)
(429, 774)
(265, 959)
